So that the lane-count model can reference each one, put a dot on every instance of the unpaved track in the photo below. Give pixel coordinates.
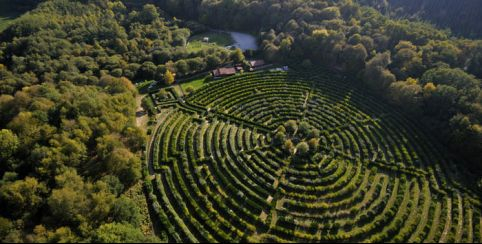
(141, 114)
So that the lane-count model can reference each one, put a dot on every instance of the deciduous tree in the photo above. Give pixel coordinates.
(168, 77)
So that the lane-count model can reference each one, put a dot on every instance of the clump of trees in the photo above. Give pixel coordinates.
(301, 141)
(68, 152)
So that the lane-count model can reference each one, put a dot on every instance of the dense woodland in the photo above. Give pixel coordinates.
(462, 16)
(68, 141)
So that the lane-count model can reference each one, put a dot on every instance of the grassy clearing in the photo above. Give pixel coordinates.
(216, 39)
(194, 84)
(197, 46)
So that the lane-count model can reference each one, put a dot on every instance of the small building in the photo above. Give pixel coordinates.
(223, 72)
(256, 63)
(206, 39)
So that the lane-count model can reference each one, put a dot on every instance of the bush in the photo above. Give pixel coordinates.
(279, 138)
(314, 144)
(302, 149)
(305, 129)
(189, 89)
(291, 126)
(288, 146)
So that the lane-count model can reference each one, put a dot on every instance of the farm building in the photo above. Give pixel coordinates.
(222, 72)
(256, 63)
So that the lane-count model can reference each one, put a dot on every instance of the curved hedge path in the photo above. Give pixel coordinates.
(381, 177)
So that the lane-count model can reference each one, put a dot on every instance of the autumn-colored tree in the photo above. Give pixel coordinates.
(314, 144)
(8, 144)
(21, 196)
(407, 93)
(169, 77)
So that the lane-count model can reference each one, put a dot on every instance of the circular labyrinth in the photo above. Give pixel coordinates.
(377, 177)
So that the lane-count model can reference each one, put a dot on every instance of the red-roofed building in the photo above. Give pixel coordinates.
(222, 72)
(256, 63)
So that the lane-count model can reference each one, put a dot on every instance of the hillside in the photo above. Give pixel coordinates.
(462, 17)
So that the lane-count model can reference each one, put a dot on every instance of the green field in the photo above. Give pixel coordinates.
(194, 84)
(216, 39)
(373, 176)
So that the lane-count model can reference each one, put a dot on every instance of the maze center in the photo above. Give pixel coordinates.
(376, 176)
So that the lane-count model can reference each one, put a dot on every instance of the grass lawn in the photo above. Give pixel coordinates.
(195, 84)
(216, 39)
(195, 46)
(219, 38)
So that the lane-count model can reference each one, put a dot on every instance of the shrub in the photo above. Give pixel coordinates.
(291, 126)
(189, 89)
(302, 148)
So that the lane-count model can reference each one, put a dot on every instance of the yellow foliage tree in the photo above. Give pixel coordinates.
(169, 77)
(412, 81)
(429, 87)
(320, 33)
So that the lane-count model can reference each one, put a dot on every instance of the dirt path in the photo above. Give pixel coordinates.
(141, 115)
(460, 219)
(448, 221)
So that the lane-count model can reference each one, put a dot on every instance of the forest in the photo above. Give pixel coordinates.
(69, 144)
(461, 17)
